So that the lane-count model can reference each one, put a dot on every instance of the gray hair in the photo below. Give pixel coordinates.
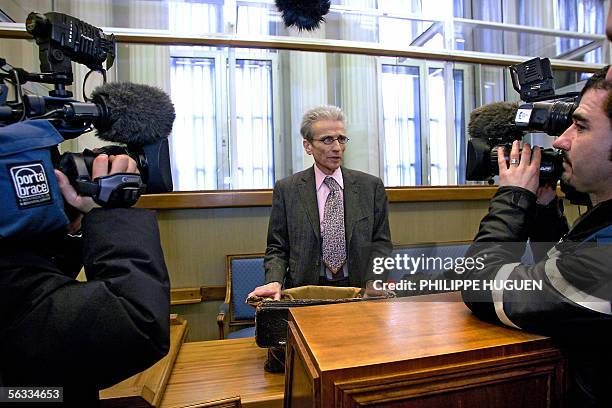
(325, 112)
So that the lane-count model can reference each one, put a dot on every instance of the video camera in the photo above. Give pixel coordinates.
(499, 124)
(139, 117)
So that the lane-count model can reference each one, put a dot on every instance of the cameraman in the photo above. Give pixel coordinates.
(573, 305)
(56, 331)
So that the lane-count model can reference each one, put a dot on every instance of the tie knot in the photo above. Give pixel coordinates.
(331, 183)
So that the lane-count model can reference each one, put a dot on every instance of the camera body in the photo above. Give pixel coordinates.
(534, 81)
(63, 39)
(543, 111)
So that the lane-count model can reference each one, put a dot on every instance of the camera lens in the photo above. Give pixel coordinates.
(560, 117)
(552, 118)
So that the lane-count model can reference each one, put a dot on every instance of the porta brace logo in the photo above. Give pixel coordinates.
(30, 183)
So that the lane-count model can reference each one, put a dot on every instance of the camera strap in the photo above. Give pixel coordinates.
(114, 190)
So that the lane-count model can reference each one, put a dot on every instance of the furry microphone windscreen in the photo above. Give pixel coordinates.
(495, 120)
(138, 114)
(305, 15)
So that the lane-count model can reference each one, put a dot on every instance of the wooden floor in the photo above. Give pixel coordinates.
(214, 370)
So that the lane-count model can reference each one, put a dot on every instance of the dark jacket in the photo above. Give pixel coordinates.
(573, 305)
(293, 254)
(55, 331)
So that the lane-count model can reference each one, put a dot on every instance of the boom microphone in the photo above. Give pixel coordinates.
(305, 15)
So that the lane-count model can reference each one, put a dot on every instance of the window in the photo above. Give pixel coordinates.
(194, 144)
(401, 122)
(223, 136)
(235, 132)
(253, 166)
(224, 133)
(583, 16)
(446, 106)
(424, 124)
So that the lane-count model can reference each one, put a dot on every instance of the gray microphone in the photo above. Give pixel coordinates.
(141, 117)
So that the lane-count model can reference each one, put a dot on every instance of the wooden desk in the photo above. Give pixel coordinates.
(215, 370)
(416, 354)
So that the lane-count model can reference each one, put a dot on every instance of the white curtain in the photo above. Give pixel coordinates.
(252, 165)
(308, 88)
(98, 14)
(400, 88)
(583, 16)
(149, 64)
(193, 95)
(534, 14)
(359, 94)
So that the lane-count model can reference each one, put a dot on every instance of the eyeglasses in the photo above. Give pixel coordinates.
(330, 139)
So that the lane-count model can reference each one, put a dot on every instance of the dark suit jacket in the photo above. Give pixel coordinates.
(293, 254)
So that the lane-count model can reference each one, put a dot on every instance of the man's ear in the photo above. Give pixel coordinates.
(307, 146)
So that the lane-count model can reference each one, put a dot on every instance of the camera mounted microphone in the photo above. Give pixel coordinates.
(500, 123)
(32, 126)
(138, 116)
(494, 125)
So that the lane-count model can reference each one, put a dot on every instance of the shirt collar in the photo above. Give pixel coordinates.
(320, 177)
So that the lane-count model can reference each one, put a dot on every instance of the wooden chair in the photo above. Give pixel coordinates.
(244, 273)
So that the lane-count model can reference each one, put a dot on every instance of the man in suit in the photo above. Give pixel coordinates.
(328, 222)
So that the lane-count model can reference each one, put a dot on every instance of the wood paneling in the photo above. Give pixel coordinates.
(195, 243)
(207, 199)
(263, 198)
(186, 296)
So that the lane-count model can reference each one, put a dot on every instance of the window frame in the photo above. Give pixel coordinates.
(424, 129)
(226, 137)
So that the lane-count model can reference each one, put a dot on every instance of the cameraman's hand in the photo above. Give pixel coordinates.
(523, 172)
(118, 164)
(545, 194)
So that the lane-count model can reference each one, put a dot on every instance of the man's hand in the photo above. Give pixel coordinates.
(272, 289)
(370, 291)
(119, 164)
(523, 172)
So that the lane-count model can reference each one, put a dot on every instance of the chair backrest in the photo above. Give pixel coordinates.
(244, 273)
(441, 250)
